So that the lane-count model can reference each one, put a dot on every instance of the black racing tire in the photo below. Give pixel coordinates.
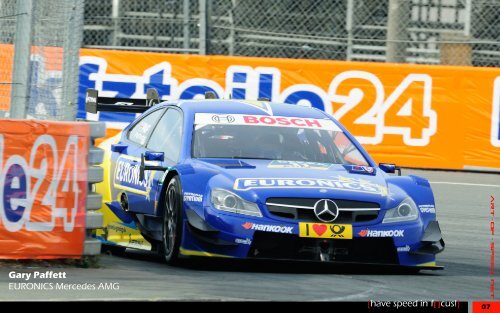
(172, 223)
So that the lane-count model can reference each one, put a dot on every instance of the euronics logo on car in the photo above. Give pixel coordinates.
(268, 228)
(127, 176)
(336, 183)
(382, 233)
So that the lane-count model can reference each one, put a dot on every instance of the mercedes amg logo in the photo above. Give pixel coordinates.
(326, 210)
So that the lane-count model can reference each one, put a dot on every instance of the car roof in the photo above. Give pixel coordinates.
(233, 106)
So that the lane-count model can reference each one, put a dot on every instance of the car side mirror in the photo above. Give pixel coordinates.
(390, 168)
(154, 156)
(143, 167)
(119, 148)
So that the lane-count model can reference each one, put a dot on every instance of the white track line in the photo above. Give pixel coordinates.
(463, 184)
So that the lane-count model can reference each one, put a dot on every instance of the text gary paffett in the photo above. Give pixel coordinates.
(37, 275)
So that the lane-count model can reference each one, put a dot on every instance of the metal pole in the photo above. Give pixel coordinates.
(186, 25)
(397, 35)
(348, 26)
(71, 59)
(467, 17)
(21, 66)
(232, 32)
(203, 26)
(115, 12)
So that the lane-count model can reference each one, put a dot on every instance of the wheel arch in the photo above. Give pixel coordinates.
(166, 180)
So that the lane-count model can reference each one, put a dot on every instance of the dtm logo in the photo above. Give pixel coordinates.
(225, 119)
(44, 183)
(268, 228)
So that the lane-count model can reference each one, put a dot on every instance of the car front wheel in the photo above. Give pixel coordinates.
(172, 222)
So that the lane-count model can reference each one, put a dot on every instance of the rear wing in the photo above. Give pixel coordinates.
(94, 103)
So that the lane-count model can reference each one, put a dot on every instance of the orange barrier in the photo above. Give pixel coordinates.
(413, 115)
(43, 188)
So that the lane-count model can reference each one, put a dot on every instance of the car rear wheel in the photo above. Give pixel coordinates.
(172, 222)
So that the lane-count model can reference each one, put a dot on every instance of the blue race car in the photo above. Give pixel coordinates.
(257, 180)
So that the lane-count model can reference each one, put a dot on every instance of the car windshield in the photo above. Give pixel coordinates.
(298, 140)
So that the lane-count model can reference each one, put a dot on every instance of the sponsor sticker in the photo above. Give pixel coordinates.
(362, 169)
(264, 120)
(298, 164)
(404, 249)
(427, 208)
(193, 197)
(381, 233)
(126, 176)
(335, 183)
(241, 241)
(268, 228)
(327, 231)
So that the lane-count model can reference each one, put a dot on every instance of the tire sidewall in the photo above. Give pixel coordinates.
(173, 257)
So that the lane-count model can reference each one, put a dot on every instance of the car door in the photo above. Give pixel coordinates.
(126, 158)
(165, 138)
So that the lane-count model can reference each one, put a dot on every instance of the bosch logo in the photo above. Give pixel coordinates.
(326, 210)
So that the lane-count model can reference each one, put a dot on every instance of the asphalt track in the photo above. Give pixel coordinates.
(463, 208)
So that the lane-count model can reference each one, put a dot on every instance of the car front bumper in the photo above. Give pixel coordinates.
(221, 234)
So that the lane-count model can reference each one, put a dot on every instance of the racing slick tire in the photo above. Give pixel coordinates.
(172, 223)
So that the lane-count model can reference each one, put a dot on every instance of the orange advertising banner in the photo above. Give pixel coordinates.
(46, 73)
(425, 116)
(43, 187)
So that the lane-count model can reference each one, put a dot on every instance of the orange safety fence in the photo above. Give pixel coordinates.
(43, 188)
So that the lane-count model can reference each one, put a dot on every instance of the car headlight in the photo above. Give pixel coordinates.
(227, 201)
(405, 211)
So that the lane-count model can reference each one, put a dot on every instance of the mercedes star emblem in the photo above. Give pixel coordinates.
(326, 210)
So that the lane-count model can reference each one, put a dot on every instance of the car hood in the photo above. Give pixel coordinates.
(262, 179)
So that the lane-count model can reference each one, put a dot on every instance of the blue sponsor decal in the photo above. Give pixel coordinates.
(126, 176)
(360, 169)
(336, 183)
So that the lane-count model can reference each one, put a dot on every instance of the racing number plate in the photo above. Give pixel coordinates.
(327, 231)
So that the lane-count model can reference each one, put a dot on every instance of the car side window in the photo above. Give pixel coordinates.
(166, 137)
(140, 132)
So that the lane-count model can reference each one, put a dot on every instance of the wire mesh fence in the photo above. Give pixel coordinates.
(40, 40)
(7, 30)
(462, 32)
(39, 55)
